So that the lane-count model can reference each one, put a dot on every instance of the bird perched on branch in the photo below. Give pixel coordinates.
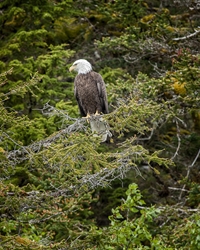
(91, 96)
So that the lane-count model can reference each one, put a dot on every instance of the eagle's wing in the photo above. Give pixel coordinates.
(78, 101)
(102, 93)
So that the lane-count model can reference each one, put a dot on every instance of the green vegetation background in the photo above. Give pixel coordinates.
(60, 187)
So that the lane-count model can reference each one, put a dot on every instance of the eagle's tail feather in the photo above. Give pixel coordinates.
(100, 128)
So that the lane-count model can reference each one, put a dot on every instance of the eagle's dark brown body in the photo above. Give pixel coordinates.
(90, 93)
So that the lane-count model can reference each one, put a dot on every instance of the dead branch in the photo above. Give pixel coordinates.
(188, 173)
(178, 138)
(187, 37)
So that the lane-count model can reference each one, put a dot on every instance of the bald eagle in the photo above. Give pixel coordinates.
(91, 96)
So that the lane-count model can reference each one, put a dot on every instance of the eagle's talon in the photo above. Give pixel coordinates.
(87, 117)
(96, 113)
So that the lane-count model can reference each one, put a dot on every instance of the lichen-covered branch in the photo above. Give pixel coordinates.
(187, 36)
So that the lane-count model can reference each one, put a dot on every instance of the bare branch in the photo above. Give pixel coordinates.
(188, 36)
(106, 176)
(179, 140)
(149, 137)
(188, 172)
(178, 189)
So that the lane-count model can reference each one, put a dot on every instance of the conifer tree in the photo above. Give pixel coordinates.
(60, 187)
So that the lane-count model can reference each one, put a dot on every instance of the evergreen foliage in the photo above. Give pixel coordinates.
(60, 187)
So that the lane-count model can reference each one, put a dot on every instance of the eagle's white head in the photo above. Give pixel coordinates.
(82, 66)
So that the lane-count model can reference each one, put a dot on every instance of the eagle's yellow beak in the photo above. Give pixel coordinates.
(71, 68)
